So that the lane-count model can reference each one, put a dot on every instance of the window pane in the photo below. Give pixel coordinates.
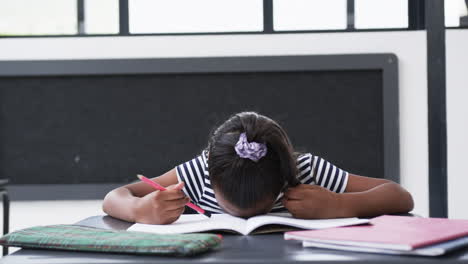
(454, 9)
(101, 17)
(188, 16)
(32, 17)
(309, 15)
(381, 13)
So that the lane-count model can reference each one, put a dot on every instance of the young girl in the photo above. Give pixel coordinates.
(250, 168)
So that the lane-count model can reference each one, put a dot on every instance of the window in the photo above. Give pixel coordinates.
(381, 14)
(188, 16)
(309, 15)
(44, 17)
(101, 16)
(454, 9)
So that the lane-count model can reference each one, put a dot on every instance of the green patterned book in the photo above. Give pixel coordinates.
(81, 238)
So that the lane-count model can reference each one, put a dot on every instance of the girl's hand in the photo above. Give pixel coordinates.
(311, 202)
(161, 207)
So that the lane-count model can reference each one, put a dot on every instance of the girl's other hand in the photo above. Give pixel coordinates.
(312, 202)
(161, 207)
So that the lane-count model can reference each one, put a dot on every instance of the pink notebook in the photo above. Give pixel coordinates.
(389, 232)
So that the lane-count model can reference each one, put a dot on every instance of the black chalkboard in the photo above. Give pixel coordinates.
(106, 128)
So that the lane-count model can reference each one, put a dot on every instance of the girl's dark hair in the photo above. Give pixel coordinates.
(243, 182)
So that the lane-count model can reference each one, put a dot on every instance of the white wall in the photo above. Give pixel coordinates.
(410, 47)
(457, 121)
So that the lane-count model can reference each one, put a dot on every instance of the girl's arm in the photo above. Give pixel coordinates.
(139, 202)
(366, 196)
(363, 197)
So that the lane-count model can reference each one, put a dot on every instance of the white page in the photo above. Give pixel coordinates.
(200, 223)
(288, 220)
(194, 223)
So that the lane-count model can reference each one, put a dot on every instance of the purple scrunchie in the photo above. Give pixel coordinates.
(253, 150)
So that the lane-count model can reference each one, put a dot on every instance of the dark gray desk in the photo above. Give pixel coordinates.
(269, 248)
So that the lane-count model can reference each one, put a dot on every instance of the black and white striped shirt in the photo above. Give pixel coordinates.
(313, 170)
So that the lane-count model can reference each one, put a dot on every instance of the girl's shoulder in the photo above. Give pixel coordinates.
(198, 166)
(304, 162)
(304, 157)
(203, 156)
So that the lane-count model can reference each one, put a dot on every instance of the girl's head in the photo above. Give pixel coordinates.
(245, 187)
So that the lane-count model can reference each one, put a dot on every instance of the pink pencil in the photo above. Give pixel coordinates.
(161, 188)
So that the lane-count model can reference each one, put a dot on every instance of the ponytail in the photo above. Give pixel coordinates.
(245, 182)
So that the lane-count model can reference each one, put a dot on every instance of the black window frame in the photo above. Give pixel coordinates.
(416, 21)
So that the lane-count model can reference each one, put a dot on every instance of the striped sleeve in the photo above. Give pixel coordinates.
(304, 169)
(191, 173)
(328, 175)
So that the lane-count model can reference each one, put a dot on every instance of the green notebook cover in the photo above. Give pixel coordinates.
(81, 238)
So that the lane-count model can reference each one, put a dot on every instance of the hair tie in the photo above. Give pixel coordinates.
(253, 150)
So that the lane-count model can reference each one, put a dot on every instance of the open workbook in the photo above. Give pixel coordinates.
(254, 225)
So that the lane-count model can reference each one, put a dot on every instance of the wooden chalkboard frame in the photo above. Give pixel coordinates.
(387, 63)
